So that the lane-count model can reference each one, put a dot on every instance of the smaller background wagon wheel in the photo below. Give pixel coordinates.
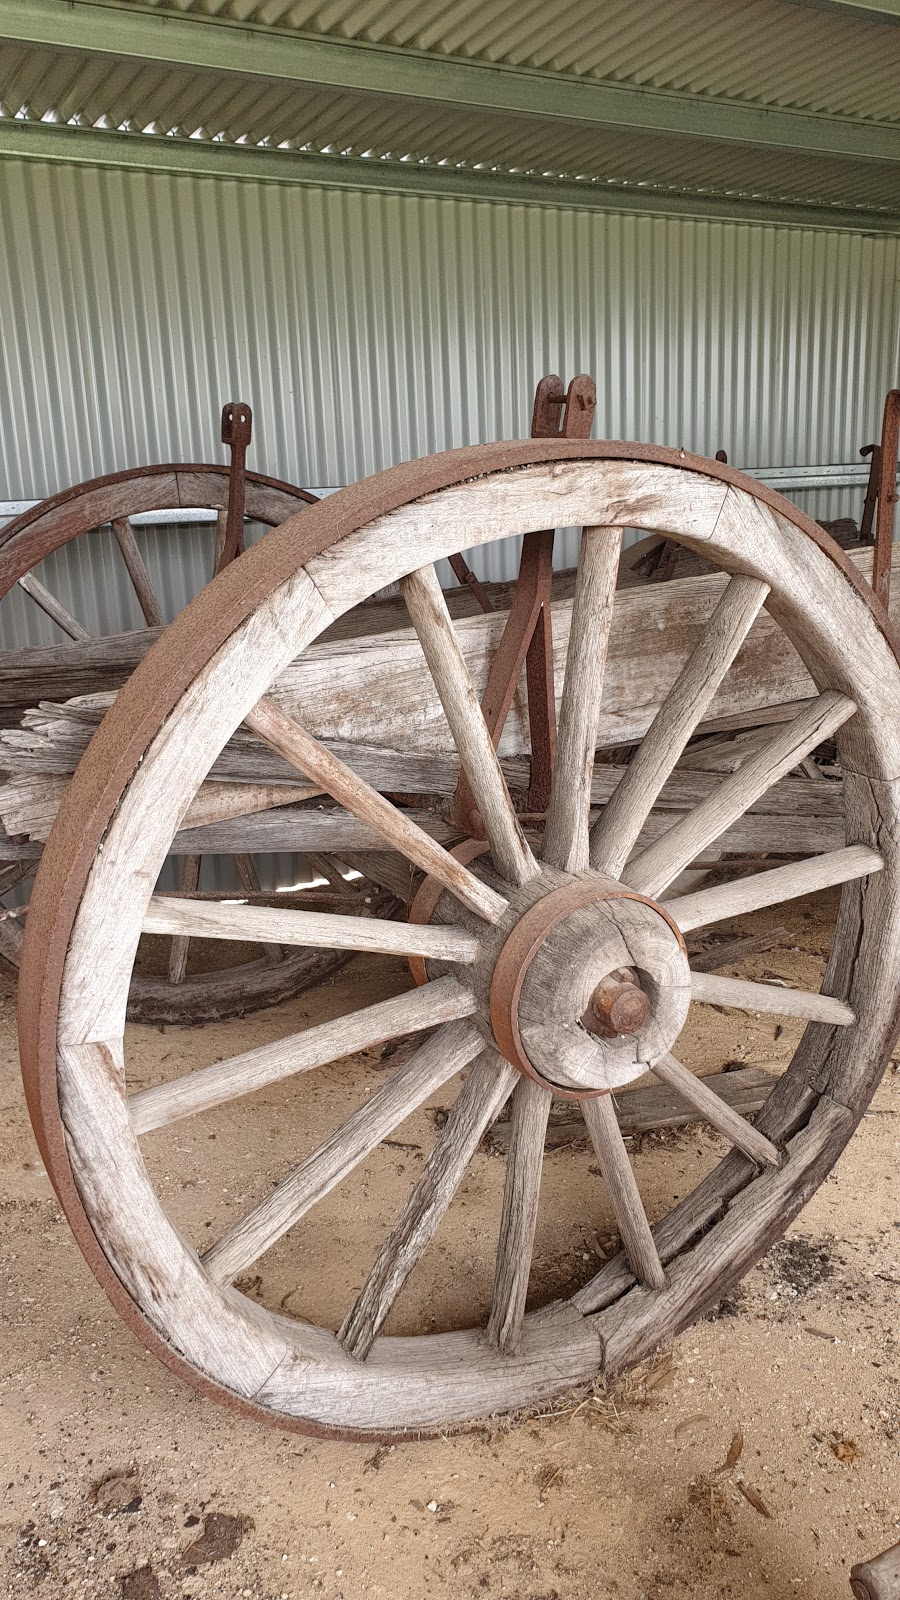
(83, 513)
(553, 964)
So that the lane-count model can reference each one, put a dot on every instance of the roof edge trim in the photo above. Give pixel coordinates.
(56, 143)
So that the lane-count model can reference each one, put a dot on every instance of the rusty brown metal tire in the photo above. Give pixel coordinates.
(52, 523)
(152, 693)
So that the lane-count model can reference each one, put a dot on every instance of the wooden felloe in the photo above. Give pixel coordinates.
(547, 918)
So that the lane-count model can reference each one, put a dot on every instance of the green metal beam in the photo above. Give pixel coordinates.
(873, 10)
(101, 28)
(42, 141)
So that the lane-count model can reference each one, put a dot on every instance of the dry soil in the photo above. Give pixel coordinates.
(756, 1461)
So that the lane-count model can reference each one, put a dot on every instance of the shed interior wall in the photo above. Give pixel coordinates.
(368, 328)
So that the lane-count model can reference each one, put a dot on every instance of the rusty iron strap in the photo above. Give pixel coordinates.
(237, 427)
(871, 500)
(527, 637)
(887, 497)
(464, 573)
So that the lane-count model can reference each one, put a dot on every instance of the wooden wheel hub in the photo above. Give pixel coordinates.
(590, 987)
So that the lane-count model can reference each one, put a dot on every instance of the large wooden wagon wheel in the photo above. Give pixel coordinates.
(556, 968)
(179, 996)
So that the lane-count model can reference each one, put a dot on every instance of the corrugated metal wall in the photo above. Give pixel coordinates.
(365, 329)
(368, 328)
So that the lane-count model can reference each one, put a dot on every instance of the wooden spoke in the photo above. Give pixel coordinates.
(137, 572)
(712, 989)
(656, 867)
(462, 708)
(649, 1109)
(615, 1165)
(208, 919)
(53, 607)
(250, 880)
(524, 1165)
(188, 880)
(713, 1109)
(727, 900)
(566, 833)
(445, 1000)
(223, 802)
(615, 833)
(479, 1100)
(298, 746)
(439, 1058)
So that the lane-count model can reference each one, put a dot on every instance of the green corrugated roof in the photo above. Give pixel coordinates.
(769, 52)
(744, 102)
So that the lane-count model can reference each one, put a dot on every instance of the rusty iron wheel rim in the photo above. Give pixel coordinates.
(24, 541)
(151, 695)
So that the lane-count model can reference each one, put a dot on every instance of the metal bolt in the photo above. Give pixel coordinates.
(617, 1006)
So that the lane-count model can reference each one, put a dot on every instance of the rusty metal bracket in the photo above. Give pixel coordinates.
(560, 413)
(871, 500)
(527, 639)
(237, 429)
(464, 573)
(884, 462)
(557, 414)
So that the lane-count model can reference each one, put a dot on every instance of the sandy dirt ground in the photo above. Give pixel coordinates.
(757, 1460)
